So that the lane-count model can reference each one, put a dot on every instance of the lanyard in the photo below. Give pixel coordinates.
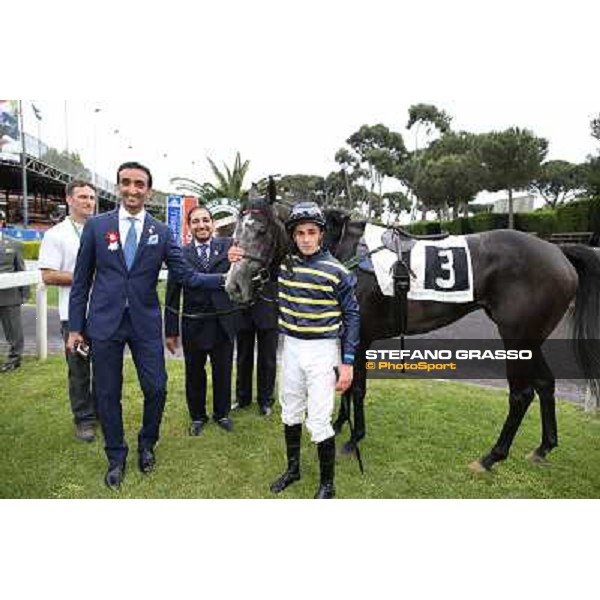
(77, 232)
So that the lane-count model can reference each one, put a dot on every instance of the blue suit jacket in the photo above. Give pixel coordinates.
(102, 276)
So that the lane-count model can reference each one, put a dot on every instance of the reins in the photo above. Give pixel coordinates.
(259, 280)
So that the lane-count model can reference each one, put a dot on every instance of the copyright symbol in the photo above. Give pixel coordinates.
(370, 366)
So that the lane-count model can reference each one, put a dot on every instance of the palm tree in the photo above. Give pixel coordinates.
(229, 182)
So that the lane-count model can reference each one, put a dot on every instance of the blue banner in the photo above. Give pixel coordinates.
(174, 215)
(24, 235)
(9, 122)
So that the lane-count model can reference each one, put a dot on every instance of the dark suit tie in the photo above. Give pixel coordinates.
(203, 253)
(130, 247)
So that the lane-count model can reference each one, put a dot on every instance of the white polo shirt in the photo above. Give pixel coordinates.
(59, 252)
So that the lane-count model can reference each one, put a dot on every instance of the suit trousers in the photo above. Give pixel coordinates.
(107, 363)
(13, 331)
(266, 366)
(221, 360)
(80, 391)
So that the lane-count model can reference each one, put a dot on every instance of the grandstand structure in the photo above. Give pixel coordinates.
(48, 172)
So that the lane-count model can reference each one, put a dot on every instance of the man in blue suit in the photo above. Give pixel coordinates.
(118, 264)
(204, 333)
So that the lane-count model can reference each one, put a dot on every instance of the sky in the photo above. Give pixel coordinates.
(286, 85)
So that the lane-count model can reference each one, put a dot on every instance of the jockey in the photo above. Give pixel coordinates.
(317, 304)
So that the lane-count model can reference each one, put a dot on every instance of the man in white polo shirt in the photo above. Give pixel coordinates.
(58, 255)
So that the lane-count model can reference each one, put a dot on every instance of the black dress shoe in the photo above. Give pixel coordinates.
(114, 476)
(85, 432)
(265, 410)
(225, 423)
(10, 366)
(240, 405)
(146, 460)
(197, 427)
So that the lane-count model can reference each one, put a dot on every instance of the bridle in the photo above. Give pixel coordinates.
(263, 275)
(258, 282)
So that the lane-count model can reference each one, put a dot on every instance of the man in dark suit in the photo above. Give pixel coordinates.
(118, 264)
(203, 333)
(11, 261)
(259, 322)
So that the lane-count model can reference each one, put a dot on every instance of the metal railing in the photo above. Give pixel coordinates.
(39, 152)
(34, 277)
(35, 148)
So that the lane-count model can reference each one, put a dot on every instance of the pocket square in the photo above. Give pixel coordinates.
(153, 240)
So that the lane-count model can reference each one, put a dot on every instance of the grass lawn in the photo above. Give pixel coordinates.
(421, 436)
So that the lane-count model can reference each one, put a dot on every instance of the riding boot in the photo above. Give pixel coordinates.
(326, 450)
(293, 433)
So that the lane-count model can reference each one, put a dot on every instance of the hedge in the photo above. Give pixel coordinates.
(31, 250)
(581, 215)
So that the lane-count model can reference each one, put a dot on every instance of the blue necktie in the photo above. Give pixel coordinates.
(130, 247)
(204, 259)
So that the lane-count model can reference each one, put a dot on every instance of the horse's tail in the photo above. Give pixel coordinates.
(586, 317)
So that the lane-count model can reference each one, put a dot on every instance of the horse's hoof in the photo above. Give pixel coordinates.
(348, 448)
(477, 467)
(536, 459)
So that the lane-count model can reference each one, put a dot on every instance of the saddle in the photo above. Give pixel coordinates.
(399, 240)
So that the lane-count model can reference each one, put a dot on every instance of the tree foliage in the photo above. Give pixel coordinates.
(595, 128)
(430, 116)
(558, 182)
(69, 162)
(446, 174)
(451, 181)
(377, 152)
(229, 181)
(591, 169)
(396, 202)
(302, 187)
(512, 159)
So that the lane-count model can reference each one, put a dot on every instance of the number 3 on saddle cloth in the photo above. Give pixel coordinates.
(440, 270)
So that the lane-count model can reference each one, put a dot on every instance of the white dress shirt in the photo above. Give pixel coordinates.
(125, 224)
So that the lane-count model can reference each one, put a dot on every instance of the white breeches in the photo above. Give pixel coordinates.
(307, 384)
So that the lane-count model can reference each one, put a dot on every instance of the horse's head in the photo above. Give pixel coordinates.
(334, 231)
(261, 233)
(342, 234)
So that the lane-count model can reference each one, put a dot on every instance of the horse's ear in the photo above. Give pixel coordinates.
(271, 190)
(335, 220)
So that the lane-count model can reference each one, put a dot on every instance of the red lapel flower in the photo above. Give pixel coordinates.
(112, 237)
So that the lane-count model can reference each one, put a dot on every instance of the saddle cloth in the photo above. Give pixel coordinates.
(441, 270)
